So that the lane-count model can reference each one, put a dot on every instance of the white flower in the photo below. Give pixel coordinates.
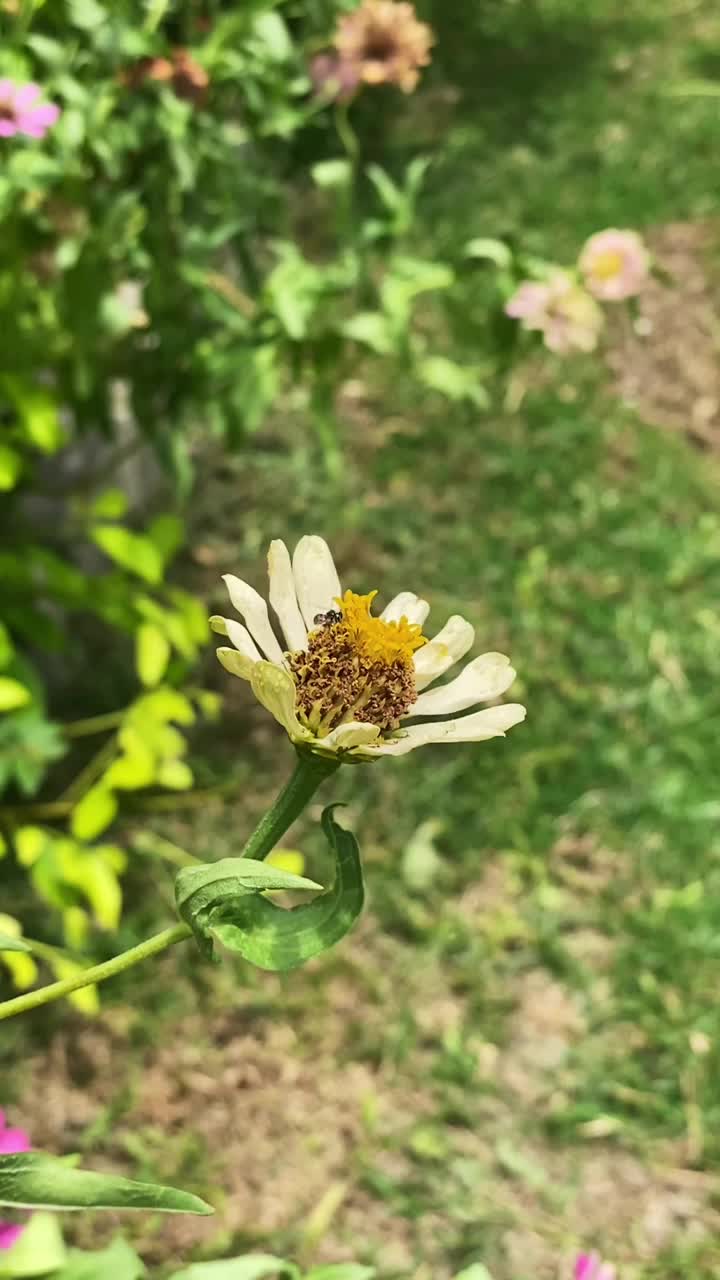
(352, 684)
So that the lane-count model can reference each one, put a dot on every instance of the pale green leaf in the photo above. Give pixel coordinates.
(253, 1266)
(111, 504)
(8, 943)
(10, 467)
(118, 1261)
(39, 1250)
(176, 775)
(34, 1180)
(133, 551)
(29, 844)
(152, 653)
(38, 413)
(331, 173)
(372, 329)
(13, 694)
(93, 813)
(492, 250)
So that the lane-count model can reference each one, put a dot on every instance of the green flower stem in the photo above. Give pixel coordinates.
(310, 771)
(98, 973)
(93, 724)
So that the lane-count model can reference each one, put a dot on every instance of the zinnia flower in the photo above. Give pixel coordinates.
(615, 264)
(11, 1142)
(346, 682)
(561, 310)
(20, 111)
(590, 1266)
(385, 42)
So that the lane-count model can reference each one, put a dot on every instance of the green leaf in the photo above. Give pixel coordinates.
(133, 551)
(93, 813)
(372, 329)
(152, 653)
(272, 938)
(38, 413)
(10, 467)
(253, 1266)
(111, 504)
(118, 1261)
(12, 944)
(491, 250)
(39, 1250)
(341, 1271)
(476, 1271)
(13, 694)
(453, 380)
(331, 173)
(35, 1180)
(213, 891)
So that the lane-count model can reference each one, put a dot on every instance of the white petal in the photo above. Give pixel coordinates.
(283, 598)
(241, 638)
(446, 648)
(492, 722)
(406, 605)
(274, 688)
(355, 733)
(316, 580)
(238, 664)
(485, 677)
(254, 610)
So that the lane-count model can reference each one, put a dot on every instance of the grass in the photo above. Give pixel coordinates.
(518, 1051)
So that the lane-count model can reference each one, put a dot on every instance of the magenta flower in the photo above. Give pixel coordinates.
(590, 1266)
(20, 111)
(561, 310)
(11, 1141)
(615, 264)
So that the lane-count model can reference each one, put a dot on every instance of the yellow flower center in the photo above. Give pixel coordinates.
(356, 667)
(607, 265)
(378, 640)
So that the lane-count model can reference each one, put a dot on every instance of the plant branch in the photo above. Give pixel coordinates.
(97, 973)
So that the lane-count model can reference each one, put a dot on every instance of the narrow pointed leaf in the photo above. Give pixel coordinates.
(214, 891)
(272, 938)
(34, 1180)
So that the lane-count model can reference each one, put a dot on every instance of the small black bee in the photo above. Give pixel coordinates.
(327, 619)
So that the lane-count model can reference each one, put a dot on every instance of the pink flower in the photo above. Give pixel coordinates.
(11, 1141)
(590, 1266)
(615, 264)
(561, 310)
(20, 111)
(334, 78)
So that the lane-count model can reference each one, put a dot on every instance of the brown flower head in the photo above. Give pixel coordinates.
(386, 42)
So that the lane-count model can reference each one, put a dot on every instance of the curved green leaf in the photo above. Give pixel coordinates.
(212, 891)
(35, 1180)
(272, 938)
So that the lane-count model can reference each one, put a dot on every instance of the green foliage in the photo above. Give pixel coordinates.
(34, 1180)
